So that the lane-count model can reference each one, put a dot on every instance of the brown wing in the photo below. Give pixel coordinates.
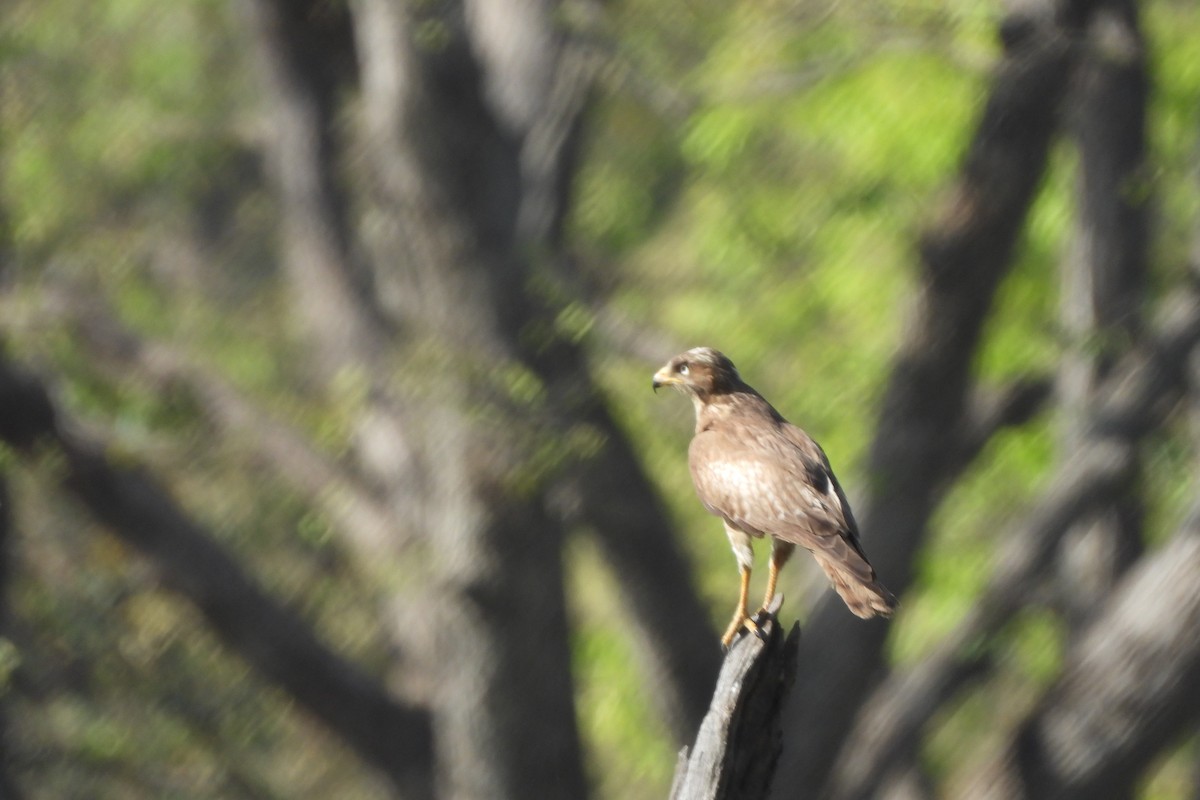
(821, 476)
(842, 557)
(769, 477)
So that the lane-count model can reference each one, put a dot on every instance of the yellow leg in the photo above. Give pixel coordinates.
(780, 553)
(772, 579)
(741, 619)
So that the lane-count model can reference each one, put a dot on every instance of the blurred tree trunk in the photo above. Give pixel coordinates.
(679, 650)
(8, 786)
(306, 58)
(445, 123)
(308, 64)
(471, 142)
(463, 229)
(916, 444)
(1130, 688)
(1104, 277)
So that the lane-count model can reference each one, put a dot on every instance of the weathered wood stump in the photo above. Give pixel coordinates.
(739, 741)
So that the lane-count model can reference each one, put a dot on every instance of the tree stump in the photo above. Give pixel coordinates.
(739, 741)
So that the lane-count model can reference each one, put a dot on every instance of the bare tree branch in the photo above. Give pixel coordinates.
(8, 786)
(1103, 279)
(305, 54)
(988, 412)
(394, 738)
(122, 355)
(738, 744)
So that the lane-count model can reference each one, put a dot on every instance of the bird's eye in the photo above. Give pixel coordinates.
(682, 369)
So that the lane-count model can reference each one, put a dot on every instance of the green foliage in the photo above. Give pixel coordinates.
(101, 111)
(1172, 123)
(629, 753)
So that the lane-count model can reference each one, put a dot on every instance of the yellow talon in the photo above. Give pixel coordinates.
(742, 621)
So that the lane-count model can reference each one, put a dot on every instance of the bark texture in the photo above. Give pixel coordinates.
(8, 787)
(306, 58)
(740, 739)
(1104, 275)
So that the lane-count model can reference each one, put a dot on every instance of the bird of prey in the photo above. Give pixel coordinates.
(764, 476)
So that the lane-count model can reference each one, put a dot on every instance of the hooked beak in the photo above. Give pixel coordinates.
(664, 377)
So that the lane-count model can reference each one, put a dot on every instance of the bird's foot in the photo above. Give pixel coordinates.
(740, 623)
(768, 612)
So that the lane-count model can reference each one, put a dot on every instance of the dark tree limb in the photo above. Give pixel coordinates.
(676, 644)
(897, 712)
(1128, 690)
(8, 785)
(392, 737)
(305, 52)
(1130, 687)
(989, 412)
(1103, 276)
(121, 355)
(1140, 390)
(739, 741)
(963, 257)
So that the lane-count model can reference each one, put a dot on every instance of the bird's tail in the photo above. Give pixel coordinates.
(855, 582)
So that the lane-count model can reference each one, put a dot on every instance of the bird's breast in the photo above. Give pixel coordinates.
(745, 491)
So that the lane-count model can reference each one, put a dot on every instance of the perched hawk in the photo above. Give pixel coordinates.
(763, 475)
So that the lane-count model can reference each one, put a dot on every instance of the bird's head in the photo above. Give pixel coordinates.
(700, 372)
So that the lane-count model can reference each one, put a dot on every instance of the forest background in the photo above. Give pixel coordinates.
(330, 464)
